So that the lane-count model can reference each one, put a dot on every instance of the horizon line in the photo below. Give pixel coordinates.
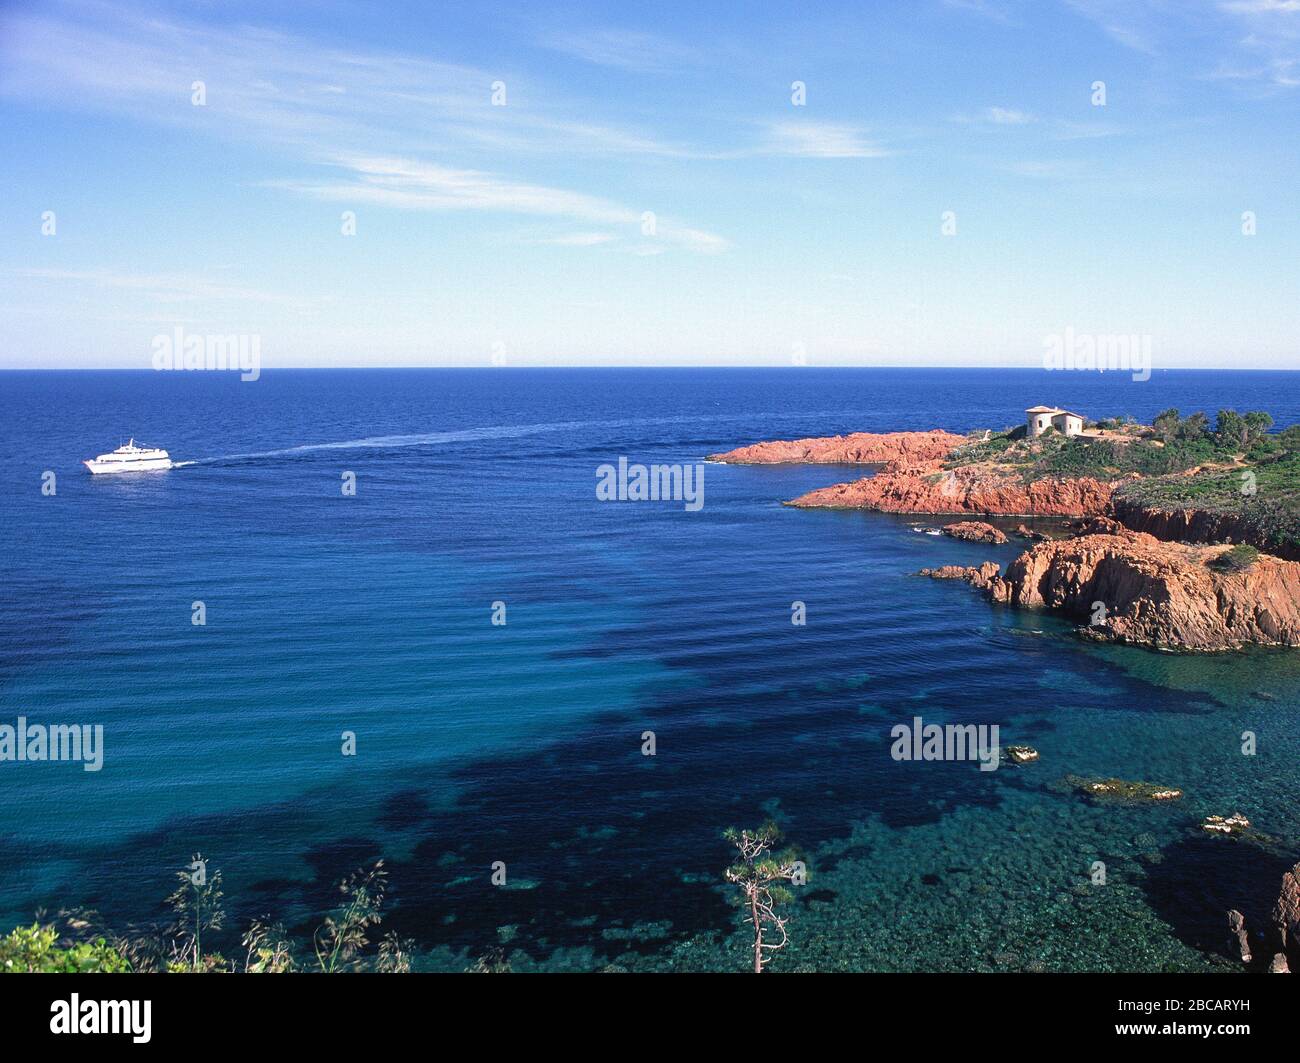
(651, 365)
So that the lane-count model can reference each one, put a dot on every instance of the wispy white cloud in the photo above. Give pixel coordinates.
(1007, 116)
(1253, 7)
(1131, 23)
(1271, 41)
(1253, 42)
(575, 239)
(164, 287)
(290, 90)
(997, 12)
(631, 50)
(995, 116)
(1047, 169)
(821, 140)
(414, 185)
(319, 104)
(1067, 130)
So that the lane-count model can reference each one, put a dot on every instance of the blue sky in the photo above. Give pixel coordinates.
(778, 229)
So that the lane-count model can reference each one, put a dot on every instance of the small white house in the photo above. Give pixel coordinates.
(1041, 418)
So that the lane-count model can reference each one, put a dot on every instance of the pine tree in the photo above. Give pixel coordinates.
(757, 874)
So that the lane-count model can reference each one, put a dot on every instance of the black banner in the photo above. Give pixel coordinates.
(342, 1011)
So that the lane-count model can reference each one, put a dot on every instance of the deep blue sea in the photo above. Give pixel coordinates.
(521, 743)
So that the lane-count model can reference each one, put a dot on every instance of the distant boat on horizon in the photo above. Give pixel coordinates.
(130, 458)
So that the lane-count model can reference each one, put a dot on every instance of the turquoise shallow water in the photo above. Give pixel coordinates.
(521, 743)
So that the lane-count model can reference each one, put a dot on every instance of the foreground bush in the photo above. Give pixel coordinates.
(34, 950)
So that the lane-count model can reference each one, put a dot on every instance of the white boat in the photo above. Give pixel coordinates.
(130, 458)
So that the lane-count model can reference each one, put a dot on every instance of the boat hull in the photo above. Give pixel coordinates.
(100, 468)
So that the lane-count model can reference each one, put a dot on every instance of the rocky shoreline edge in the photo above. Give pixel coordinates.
(1122, 583)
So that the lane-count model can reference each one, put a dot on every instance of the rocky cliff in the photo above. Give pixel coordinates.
(1121, 584)
(1195, 525)
(963, 490)
(1286, 913)
(1132, 587)
(859, 448)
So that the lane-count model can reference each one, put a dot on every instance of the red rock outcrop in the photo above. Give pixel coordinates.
(981, 577)
(1099, 526)
(859, 448)
(1030, 533)
(1194, 525)
(912, 480)
(1132, 587)
(1237, 924)
(963, 490)
(1286, 913)
(975, 531)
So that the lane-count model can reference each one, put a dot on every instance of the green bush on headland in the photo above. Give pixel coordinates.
(1263, 498)
(1172, 444)
(1238, 559)
(1250, 475)
(1052, 454)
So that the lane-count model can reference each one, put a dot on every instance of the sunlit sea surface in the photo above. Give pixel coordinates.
(522, 742)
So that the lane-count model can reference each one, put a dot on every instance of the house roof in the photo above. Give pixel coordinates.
(1044, 409)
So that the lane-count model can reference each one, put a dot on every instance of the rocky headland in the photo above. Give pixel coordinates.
(1132, 587)
(973, 491)
(1169, 543)
(1198, 525)
(858, 448)
(923, 472)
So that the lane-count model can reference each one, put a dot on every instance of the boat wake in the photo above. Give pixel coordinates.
(423, 439)
(426, 439)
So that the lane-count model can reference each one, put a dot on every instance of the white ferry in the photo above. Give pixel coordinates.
(130, 458)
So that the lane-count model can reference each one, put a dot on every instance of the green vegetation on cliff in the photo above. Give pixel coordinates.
(35, 950)
(1263, 497)
(1238, 559)
(1242, 482)
(1120, 448)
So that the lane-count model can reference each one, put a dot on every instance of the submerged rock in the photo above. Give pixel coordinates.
(1021, 754)
(1234, 824)
(1121, 791)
